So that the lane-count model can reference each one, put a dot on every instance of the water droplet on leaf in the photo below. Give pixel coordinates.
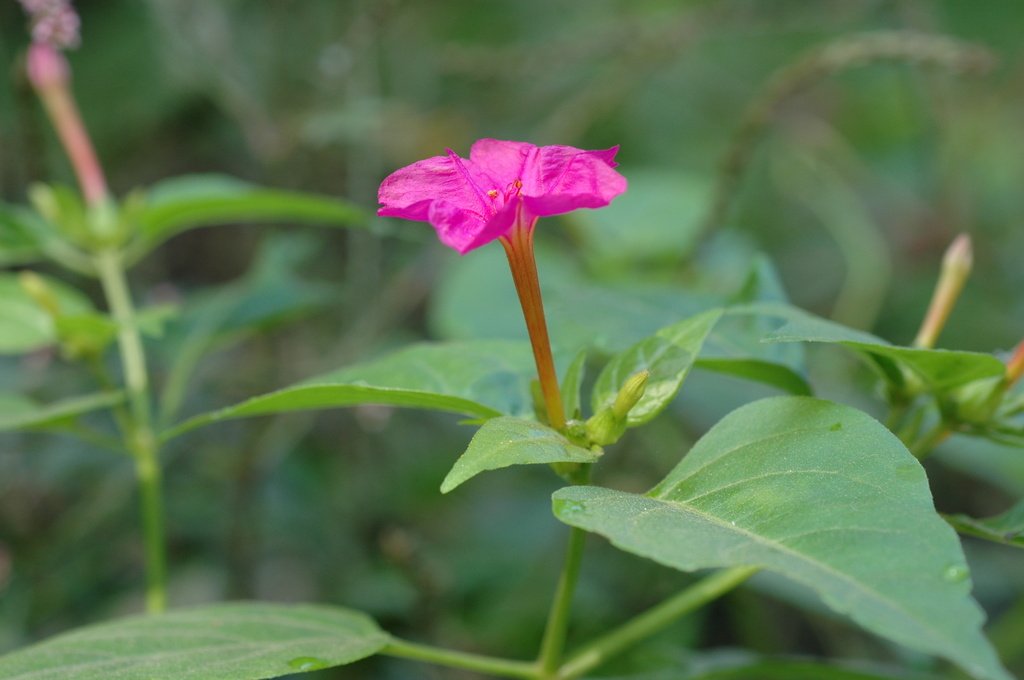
(570, 508)
(308, 663)
(955, 573)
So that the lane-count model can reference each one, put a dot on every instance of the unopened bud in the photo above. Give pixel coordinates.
(47, 68)
(956, 267)
(631, 393)
(1015, 365)
(39, 291)
(605, 427)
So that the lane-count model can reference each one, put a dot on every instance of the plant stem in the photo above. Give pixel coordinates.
(557, 628)
(139, 437)
(926, 443)
(653, 620)
(475, 662)
(519, 250)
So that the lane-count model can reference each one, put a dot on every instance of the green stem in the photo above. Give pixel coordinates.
(653, 620)
(926, 443)
(557, 628)
(139, 437)
(505, 668)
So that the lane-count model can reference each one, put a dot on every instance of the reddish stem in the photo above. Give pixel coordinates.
(518, 245)
(51, 78)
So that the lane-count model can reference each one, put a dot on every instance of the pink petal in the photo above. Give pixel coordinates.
(464, 230)
(505, 161)
(408, 191)
(565, 179)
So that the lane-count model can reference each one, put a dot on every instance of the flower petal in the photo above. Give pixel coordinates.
(505, 161)
(464, 230)
(563, 179)
(409, 191)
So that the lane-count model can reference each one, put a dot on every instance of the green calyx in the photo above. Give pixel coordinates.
(609, 424)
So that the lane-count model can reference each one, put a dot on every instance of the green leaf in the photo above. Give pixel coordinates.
(742, 665)
(668, 354)
(822, 494)
(571, 384)
(182, 203)
(482, 379)
(18, 244)
(1007, 528)
(24, 325)
(776, 375)
(507, 441)
(19, 413)
(941, 369)
(237, 641)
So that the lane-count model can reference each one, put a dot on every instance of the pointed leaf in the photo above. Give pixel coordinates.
(18, 413)
(1007, 528)
(776, 375)
(668, 354)
(941, 369)
(571, 384)
(183, 203)
(503, 442)
(482, 379)
(822, 494)
(237, 641)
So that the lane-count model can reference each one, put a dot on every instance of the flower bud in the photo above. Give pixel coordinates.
(47, 68)
(631, 393)
(39, 291)
(956, 267)
(605, 427)
(1015, 365)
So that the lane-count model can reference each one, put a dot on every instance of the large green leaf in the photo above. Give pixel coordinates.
(822, 494)
(940, 369)
(668, 355)
(1007, 528)
(507, 441)
(191, 201)
(24, 325)
(237, 641)
(18, 413)
(481, 379)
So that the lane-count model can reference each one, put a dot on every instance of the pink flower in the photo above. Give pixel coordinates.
(501, 186)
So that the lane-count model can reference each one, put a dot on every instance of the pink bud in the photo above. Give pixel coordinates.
(47, 67)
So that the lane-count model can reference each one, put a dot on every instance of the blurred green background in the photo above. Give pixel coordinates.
(854, 186)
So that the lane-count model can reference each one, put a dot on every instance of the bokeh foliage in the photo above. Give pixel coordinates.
(854, 186)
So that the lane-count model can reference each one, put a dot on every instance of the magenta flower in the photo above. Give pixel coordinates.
(501, 186)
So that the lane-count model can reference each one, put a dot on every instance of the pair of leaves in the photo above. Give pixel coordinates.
(668, 356)
(475, 294)
(822, 494)
(178, 204)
